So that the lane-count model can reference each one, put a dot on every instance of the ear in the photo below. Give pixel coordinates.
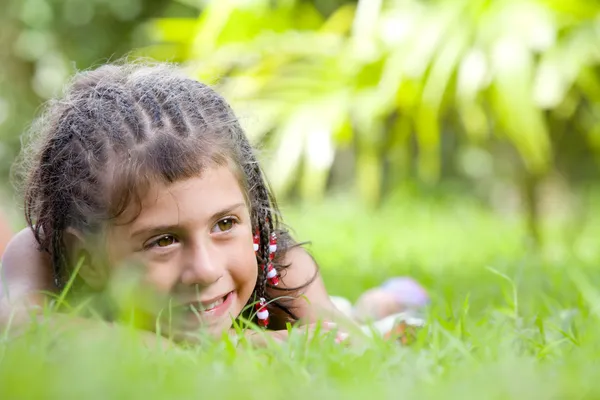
(93, 271)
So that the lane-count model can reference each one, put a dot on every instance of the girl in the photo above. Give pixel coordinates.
(139, 165)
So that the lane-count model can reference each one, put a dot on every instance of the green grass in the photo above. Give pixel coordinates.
(505, 322)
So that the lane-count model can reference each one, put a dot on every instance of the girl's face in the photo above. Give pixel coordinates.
(194, 241)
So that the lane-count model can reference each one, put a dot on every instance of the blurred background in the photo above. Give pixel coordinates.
(401, 136)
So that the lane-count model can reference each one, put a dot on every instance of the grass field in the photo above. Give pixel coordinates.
(505, 322)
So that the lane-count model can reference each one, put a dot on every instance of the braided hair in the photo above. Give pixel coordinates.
(154, 123)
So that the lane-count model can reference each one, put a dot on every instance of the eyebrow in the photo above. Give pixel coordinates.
(155, 229)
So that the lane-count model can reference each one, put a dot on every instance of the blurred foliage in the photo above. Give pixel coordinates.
(44, 41)
(390, 79)
(371, 94)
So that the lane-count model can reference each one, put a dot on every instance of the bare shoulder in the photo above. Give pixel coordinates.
(302, 268)
(312, 300)
(22, 251)
(25, 269)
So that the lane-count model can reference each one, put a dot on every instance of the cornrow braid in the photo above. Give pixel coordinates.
(117, 98)
(265, 216)
(172, 109)
(149, 103)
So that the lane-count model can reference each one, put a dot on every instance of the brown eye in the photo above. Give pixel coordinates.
(165, 241)
(224, 225)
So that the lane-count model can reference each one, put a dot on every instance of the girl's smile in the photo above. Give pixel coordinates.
(208, 312)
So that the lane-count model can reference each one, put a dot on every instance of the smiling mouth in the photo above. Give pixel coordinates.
(203, 307)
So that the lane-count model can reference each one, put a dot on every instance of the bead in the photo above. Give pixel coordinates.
(271, 272)
(264, 322)
(272, 276)
(273, 243)
(262, 313)
(256, 241)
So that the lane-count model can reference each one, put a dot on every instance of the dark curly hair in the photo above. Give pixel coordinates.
(123, 126)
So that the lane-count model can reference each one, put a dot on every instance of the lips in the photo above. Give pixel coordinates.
(207, 305)
(216, 305)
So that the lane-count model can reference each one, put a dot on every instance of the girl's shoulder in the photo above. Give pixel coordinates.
(302, 281)
(25, 269)
(301, 268)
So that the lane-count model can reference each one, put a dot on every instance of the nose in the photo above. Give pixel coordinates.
(202, 266)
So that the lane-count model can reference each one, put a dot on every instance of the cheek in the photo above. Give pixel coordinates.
(123, 259)
(117, 247)
(162, 276)
(243, 267)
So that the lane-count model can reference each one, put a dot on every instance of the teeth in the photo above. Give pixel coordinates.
(213, 305)
(198, 307)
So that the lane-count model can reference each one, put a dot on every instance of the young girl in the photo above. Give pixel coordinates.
(140, 166)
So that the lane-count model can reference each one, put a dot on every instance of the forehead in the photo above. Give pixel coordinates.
(187, 200)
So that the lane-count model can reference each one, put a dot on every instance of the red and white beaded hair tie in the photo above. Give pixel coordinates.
(262, 313)
(272, 276)
(256, 240)
(272, 245)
